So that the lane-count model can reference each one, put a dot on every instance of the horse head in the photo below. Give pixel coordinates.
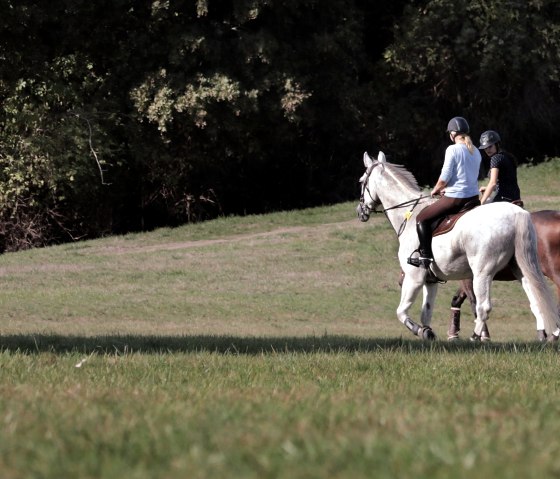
(369, 199)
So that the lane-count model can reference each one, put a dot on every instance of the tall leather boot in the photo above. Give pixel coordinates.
(425, 236)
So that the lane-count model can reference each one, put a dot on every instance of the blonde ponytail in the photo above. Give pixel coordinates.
(468, 142)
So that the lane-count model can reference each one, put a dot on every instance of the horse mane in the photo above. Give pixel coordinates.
(402, 175)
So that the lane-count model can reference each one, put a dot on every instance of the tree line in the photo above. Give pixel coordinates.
(126, 115)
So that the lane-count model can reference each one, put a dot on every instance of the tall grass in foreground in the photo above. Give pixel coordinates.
(399, 411)
(263, 347)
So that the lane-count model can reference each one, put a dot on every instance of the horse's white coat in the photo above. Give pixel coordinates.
(482, 243)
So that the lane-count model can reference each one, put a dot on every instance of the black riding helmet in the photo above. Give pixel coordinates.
(489, 138)
(458, 124)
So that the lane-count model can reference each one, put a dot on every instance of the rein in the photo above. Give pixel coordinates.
(406, 203)
(408, 214)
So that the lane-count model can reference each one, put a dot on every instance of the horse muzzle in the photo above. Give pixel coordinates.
(363, 212)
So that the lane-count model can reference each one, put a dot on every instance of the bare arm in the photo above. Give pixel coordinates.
(439, 188)
(490, 187)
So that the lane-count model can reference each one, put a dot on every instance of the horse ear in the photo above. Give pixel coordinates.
(367, 160)
(381, 157)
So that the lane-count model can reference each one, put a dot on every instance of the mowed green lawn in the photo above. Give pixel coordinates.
(260, 347)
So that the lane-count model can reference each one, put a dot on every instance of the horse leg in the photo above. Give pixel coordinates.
(542, 336)
(409, 292)
(482, 287)
(558, 296)
(430, 290)
(467, 286)
(532, 294)
(555, 277)
(465, 291)
(556, 334)
(455, 319)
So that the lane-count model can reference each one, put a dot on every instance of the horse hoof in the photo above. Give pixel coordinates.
(542, 336)
(427, 333)
(475, 338)
(485, 337)
(553, 338)
(453, 337)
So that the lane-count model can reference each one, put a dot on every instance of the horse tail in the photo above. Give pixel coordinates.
(533, 281)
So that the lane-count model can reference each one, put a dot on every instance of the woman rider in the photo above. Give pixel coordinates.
(458, 181)
(503, 170)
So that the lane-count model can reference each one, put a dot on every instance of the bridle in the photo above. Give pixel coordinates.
(364, 211)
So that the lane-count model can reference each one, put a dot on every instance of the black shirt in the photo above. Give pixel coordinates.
(507, 188)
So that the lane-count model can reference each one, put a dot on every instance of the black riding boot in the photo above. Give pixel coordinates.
(425, 236)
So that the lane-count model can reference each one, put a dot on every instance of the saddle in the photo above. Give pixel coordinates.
(445, 224)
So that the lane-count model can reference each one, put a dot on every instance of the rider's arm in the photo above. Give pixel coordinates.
(491, 186)
(440, 186)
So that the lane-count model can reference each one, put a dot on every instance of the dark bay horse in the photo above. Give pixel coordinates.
(547, 226)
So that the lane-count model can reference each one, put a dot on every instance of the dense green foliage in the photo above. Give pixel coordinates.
(123, 115)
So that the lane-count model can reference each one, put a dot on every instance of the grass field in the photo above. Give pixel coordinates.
(263, 347)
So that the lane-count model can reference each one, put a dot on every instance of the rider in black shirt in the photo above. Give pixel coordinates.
(503, 170)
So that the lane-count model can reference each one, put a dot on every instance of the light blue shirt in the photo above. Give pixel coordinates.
(460, 171)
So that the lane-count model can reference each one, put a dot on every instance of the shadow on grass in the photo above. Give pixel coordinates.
(127, 344)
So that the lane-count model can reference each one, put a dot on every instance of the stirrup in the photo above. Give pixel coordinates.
(413, 261)
(420, 261)
(425, 261)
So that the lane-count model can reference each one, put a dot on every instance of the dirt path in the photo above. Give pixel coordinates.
(133, 249)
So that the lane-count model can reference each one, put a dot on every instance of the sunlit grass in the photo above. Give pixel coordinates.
(397, 411)
(263, 347)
